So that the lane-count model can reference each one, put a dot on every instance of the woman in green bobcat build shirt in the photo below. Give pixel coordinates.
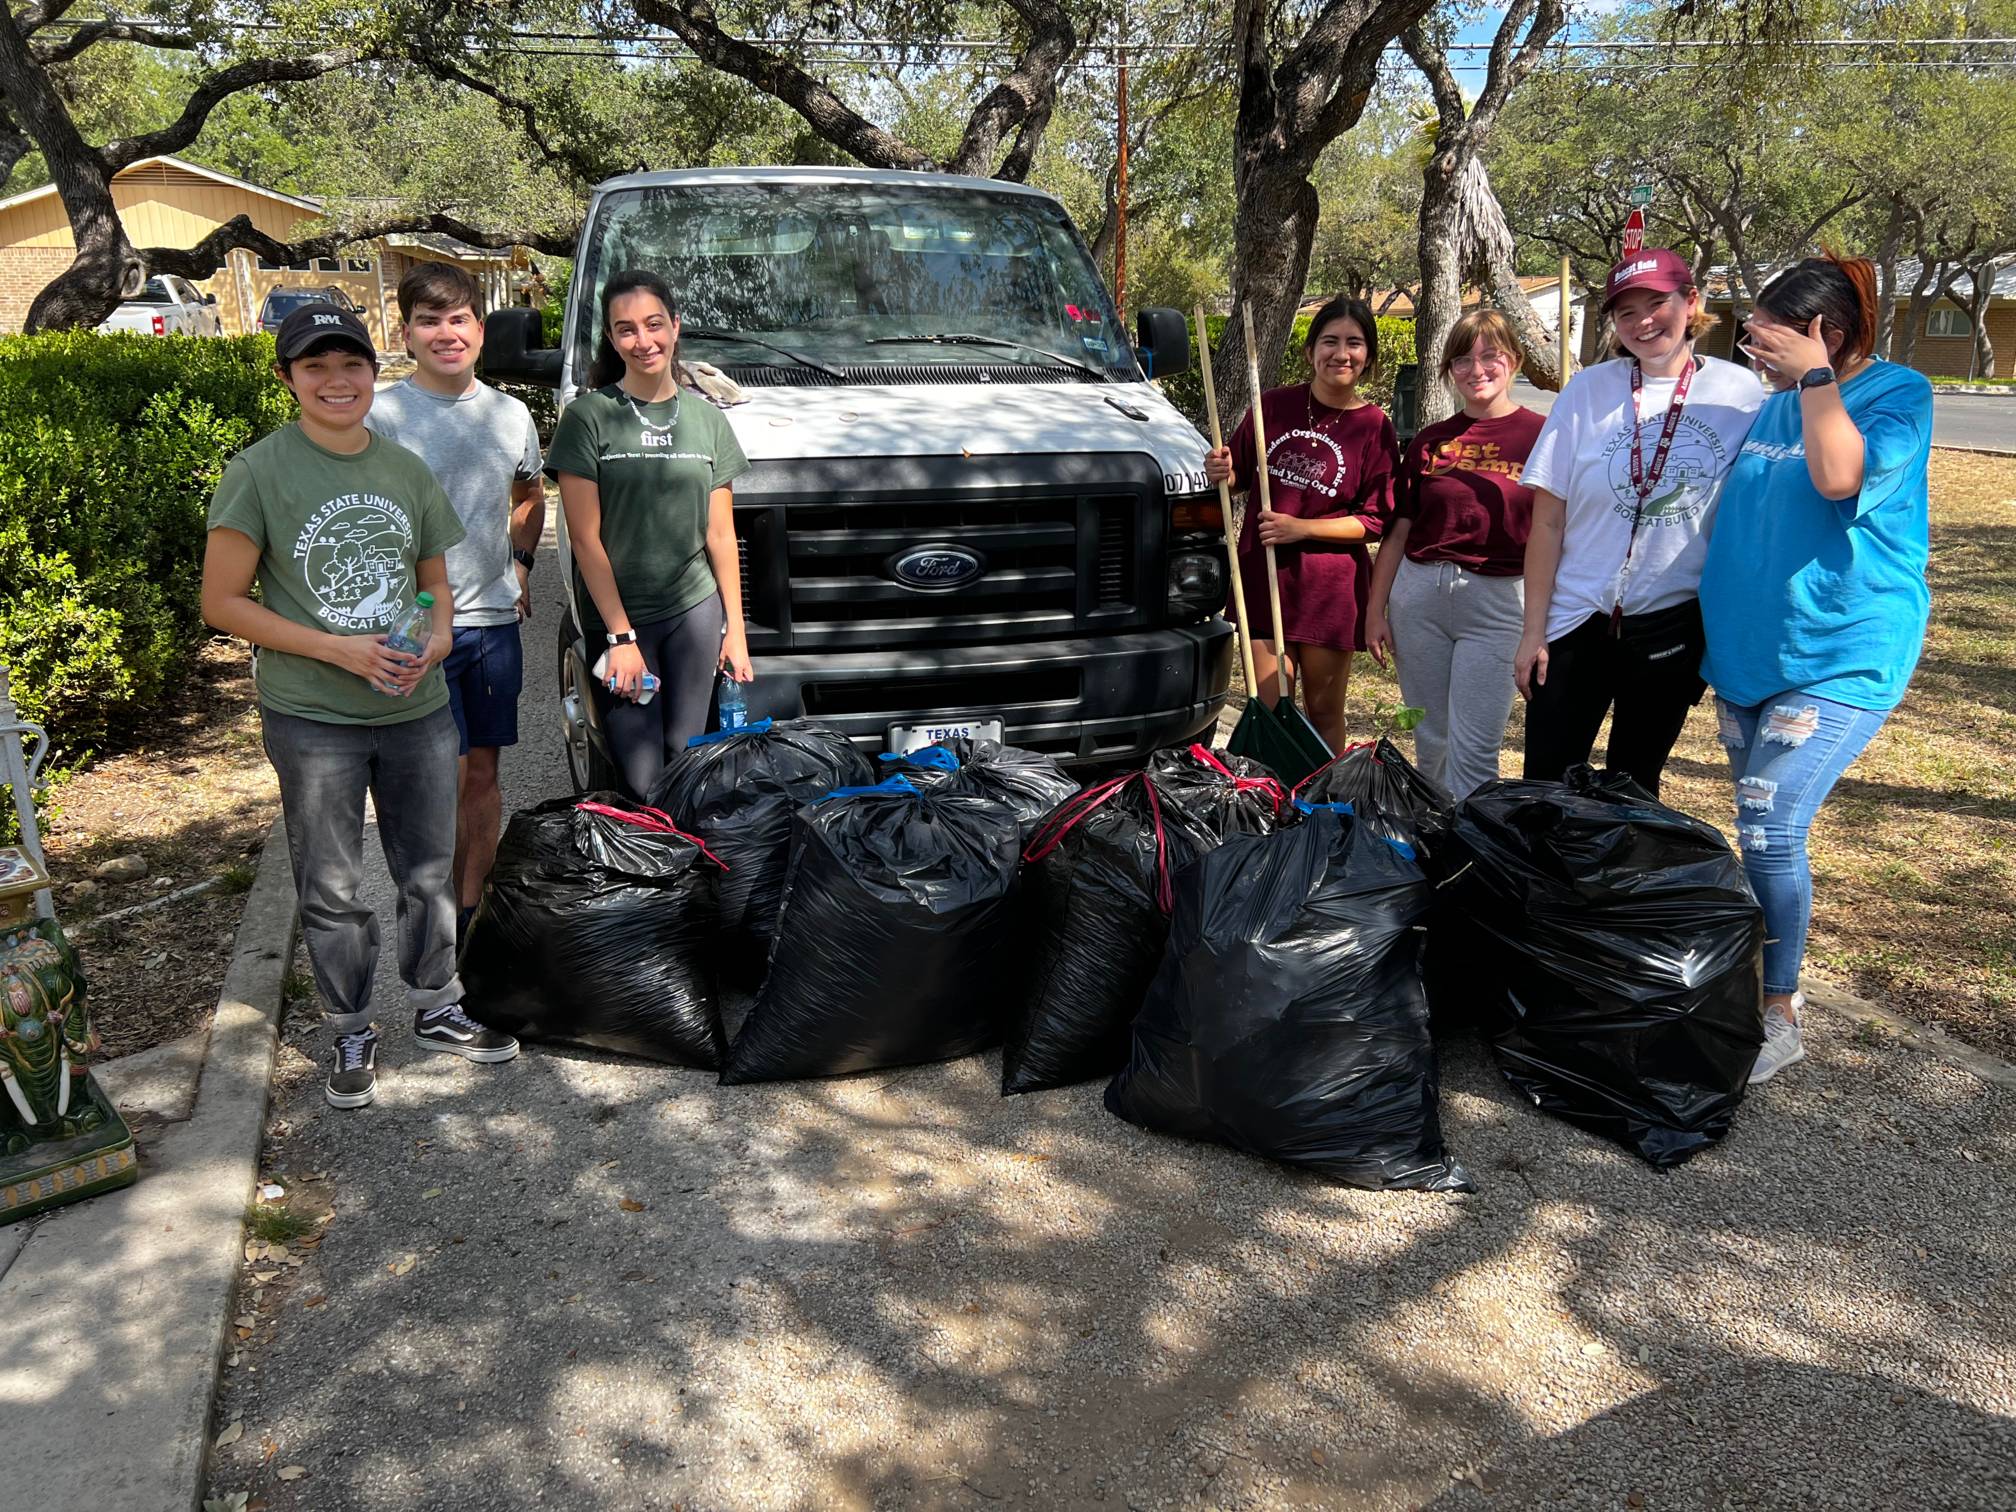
(644, 473)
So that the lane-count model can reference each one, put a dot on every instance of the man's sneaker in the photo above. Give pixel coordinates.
(449, 1028)
(353, 1079)
(1783, 1044)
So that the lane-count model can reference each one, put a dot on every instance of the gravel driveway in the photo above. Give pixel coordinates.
(632, 1289)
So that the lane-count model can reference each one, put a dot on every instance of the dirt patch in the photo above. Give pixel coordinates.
(194, 800)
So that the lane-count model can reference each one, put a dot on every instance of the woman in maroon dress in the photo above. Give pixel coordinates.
(1331, 457)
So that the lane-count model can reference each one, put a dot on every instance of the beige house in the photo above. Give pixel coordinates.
(167, 202)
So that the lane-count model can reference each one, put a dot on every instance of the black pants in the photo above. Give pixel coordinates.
(1646, 677)
(683, 653)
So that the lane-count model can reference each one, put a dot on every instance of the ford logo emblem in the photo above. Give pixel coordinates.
(936, 568)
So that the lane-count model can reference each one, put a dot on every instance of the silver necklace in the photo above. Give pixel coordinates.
(659, 430)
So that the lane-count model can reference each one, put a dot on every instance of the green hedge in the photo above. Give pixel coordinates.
(1396, 348)
(110, 446)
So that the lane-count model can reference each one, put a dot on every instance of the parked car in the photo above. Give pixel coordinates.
(281, 303)
(167, 306)
(969, 510)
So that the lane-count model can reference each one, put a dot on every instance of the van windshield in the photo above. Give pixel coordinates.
(846, 274)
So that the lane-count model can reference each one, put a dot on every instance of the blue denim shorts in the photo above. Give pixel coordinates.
(485, 672)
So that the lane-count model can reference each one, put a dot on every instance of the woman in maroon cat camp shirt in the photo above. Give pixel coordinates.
(1330, 462)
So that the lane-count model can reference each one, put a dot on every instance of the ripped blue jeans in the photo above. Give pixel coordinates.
(1786, 754)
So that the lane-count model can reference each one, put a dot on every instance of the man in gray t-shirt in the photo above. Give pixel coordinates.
(483, 448)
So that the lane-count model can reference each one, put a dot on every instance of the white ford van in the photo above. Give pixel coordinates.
(969, 511)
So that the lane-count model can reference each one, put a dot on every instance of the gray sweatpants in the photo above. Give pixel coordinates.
(1454, 636)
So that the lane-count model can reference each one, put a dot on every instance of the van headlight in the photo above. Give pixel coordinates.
(1196, 582)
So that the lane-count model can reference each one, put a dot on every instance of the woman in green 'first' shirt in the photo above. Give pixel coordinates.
(644, 473)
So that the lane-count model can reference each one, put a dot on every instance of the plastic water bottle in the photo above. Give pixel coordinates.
(734, 704)
(411, 631)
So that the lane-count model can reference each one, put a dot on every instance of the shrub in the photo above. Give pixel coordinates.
(110, 446)
(1186, 390)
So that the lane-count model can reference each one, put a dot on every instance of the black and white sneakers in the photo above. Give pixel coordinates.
(449, 1028)
(353, 1078)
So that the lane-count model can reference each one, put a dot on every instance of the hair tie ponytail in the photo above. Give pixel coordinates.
(1861, 273)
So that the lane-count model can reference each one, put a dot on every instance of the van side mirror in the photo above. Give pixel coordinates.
(1162, 341)
(515, 350)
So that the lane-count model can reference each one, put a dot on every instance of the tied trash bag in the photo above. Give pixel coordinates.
(1219, 794)
(1287, 1018)
(1387, 792)
(898, 941)
(1100, 876)
(597, 925)
(739, 789)
(1618, 953)
(1029, 782)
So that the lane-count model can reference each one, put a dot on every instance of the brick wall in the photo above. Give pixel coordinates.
(1949, 356)
(24, 273)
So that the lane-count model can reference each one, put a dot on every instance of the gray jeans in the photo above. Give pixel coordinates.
(409, 770)
(1454, 635)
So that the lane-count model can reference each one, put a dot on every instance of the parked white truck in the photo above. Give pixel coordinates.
(969, 510)
(167, 306)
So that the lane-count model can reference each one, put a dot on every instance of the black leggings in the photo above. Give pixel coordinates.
(1650, 672)
(683, 653)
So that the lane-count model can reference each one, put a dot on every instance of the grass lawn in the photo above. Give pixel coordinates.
(1914, 856)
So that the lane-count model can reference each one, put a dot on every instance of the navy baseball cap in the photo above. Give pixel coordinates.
(318, 324)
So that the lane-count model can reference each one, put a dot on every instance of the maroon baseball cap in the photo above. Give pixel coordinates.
(1654, 268)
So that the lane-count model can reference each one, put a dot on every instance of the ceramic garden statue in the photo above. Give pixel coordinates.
(60, 1138)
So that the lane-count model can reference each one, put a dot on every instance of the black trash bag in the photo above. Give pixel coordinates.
(1100, 879)
(1617, 951)
(1287, 1018)
(738, 789)
(1388, 792)
(1216, 793)
(597, 926)
(1029, 782)
(899, 938)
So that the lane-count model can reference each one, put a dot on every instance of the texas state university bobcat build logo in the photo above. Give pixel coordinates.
(1686, 485)
(353, 553)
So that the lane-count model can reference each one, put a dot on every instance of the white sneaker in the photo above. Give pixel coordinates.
(1783, 1044)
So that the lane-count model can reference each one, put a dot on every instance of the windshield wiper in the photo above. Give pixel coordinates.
(710, 333)
(968, 338)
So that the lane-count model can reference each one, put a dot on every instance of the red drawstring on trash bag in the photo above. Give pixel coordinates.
(1075, 811)
(1269, 785)
(647, 818)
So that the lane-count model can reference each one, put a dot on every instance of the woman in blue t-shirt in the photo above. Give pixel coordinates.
(1814, 595)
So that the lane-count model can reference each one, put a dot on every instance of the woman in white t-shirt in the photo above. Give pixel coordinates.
(1625, 478)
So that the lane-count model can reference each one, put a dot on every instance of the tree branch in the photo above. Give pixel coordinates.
(89, 36)
(32, 18)
(1024, 97)
(211, 91)
(694, 23)
(569, 159)
(208, 255)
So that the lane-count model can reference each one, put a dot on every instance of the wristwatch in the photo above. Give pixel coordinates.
(621, 637)
(1817, 377)
(524, 558)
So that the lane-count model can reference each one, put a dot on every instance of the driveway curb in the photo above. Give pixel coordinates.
(131, 1294)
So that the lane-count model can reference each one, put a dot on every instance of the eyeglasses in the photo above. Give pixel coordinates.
(1481, 362)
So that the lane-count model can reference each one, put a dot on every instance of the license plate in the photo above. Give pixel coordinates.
(904, 739)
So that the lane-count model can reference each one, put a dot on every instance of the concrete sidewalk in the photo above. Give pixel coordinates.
(575, 1281)
(113, 1312)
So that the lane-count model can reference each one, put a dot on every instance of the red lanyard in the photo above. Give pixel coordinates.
(1644, 479)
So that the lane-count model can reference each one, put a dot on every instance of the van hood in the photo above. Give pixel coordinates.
(971, 419)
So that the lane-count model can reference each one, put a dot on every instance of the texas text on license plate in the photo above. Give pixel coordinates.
(906, 738)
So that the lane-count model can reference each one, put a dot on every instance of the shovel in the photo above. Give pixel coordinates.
(1310, 748)
(1258, 734)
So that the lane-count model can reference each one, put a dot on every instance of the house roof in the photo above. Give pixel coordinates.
(137, 170)
(1720, 279)
(1402, 304)
(448, 246)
